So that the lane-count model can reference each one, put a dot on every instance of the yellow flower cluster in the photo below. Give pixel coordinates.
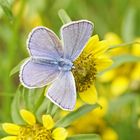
(128, 74)
(33, 130)
(119, 80)
(94, 122)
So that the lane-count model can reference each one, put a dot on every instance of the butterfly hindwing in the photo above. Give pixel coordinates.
(63, 92)
(34, 75)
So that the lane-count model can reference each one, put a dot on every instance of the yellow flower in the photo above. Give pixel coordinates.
(33, 130)
(93, 59)
(92, 121)
(113, 40)
(135, 74)
(136, 47)
(108, 76)
(29, 13)
(135, 77)
(109, 134)
(99, 113)
(119, 85)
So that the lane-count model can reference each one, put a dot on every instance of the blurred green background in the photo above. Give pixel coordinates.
(18, 17)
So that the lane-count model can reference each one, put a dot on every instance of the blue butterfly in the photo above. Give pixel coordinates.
(51, 61)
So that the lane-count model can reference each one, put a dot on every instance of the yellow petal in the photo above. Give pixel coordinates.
(136, 48)
(103, 62)
(119, 85)
(107, 76)
(59, 133)
(110, 134)
(90, 95)
(28, 117)
(135, 74)
(9, 138)
(11, 128)
(101, 48)
(92, 43)
(48, 121)
(113, 39)
(101, 112)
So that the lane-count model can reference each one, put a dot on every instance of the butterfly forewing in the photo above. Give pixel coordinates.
(63, 92)
(74, 36)
(43, 42)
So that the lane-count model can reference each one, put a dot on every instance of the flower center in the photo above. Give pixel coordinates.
(35, 132)
(84, 71)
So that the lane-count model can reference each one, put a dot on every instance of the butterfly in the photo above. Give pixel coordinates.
(51, 61)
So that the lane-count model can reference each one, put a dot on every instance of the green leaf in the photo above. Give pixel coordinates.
(15, 109)
(54, 110)
(28, 99)
(39, 101)
(128, 26)
(42, 109)
(2, 133)
(6, 8)
(64, 16)
(84, 137)
(33, 98)
(72, 116)
(17, 67)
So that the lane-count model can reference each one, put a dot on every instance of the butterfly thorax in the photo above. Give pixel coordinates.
(65, 64)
